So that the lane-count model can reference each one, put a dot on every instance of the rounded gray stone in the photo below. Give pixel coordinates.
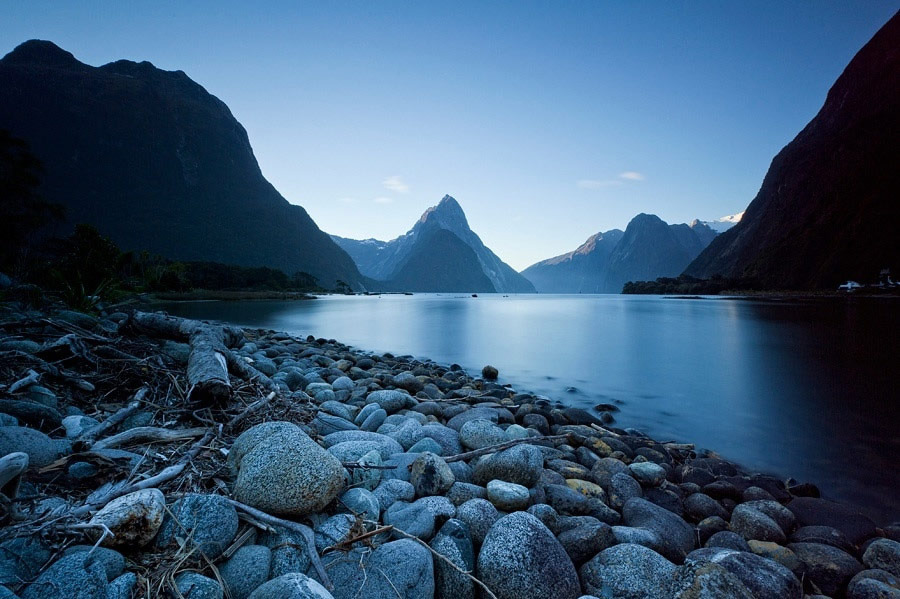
(73, 577)
(247, 569)
(207, 522)
(430, 475)
(293, 585)
(628, 571)
(476, 434)
(479, 515)
(285, 472)
(521, 559)
(197, 586)
(508, 497)
(520, 464)
(402, 567)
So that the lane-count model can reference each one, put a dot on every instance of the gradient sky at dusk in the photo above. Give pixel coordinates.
(548, 121)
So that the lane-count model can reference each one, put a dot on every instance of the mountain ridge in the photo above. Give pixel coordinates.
(156, 163)
(826, 210)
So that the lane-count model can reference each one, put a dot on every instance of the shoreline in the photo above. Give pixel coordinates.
(438, 452)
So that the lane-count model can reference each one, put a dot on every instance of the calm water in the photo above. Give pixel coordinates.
(802, 389)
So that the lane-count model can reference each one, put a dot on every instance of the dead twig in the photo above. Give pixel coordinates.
(304, 530)
(148, 434)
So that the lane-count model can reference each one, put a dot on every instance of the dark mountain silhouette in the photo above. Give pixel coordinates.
(828, 207)
(649, 248)
(579, 271)
(156, 163)
(384, 260)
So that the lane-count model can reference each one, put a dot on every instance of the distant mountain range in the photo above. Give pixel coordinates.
(649, 248)
(720, 225)
(156, 163)
(828, 209)
(440, 242)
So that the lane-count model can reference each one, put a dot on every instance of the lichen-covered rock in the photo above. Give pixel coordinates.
(521, 559)
(883, 554)
(430, 475)
(281, 470)
(765, 578)
(454, 542)
(134, 519)
(677, 536)
(829, 567)
(707, 581)
(520, 464)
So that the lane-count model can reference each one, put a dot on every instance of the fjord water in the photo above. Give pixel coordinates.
(807, 389)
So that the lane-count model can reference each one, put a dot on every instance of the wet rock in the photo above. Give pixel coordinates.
(677, 536)
(507, 497)
(521, 559)
(281, 470)
(490, 373)
(628, 571)
(207, 522)
(572, 503)
(883, 554)
(134, 519)
(776, 552)
(454, 542)
(247, 570)
(430, 475)
(403, 568)
(707, 527)
(812, 511)
(765, 578)
(828, 567)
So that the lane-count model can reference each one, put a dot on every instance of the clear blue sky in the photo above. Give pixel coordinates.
(529, 113)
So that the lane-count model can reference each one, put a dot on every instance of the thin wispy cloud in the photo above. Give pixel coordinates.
(631, 176)
(395, 183)
(598, 183)
(383, 200)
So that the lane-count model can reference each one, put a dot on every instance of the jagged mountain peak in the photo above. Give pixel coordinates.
(448, 213)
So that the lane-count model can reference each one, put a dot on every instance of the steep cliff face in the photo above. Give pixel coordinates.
(156, 163)
(828, 209)
(384, 260)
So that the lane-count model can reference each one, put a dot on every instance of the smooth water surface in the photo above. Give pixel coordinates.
(802, 389)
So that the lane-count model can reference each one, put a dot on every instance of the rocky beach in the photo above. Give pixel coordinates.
(144, 455)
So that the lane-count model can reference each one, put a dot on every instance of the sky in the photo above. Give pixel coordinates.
(547, 121)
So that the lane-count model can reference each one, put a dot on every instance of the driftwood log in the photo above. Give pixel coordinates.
(210, 359)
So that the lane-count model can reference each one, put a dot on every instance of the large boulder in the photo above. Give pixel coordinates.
(280, 470)
(814, 511)
(520, 464)
(521, 559)
(829, 567)
(883, 554)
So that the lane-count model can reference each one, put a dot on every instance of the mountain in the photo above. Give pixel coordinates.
(579, 271)
(649, 248)
(387, 260)
(827, 209)
(720, 225)
(156, 163)
(441, 262)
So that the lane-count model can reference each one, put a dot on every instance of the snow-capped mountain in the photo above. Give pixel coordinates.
(720, 225)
